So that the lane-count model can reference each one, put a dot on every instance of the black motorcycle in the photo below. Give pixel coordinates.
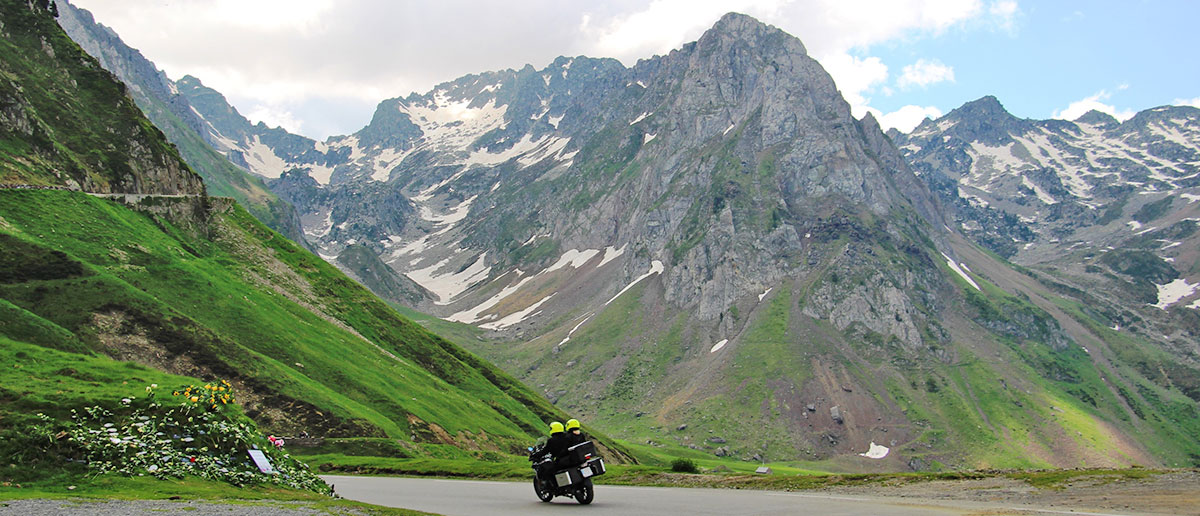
(574, 481)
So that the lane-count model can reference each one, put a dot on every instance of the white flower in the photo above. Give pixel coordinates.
(126, 400)
(152, 468)
(115, 440)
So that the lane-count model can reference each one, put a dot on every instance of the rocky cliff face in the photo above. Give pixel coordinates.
(159, 98)
(65, 122)
(708, 250)
(1105, 207)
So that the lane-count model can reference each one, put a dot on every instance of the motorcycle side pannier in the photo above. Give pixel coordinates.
(568, 477)
(581, 452)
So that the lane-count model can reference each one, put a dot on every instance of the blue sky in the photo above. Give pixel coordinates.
(1131, 55)
(319, 67)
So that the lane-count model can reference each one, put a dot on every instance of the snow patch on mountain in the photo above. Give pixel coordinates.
(656, 267)
(574, 258)
(324, 229)
(449, 285)
(387, 160)
(572, 332)
(1037, 190)
(264, 162)
(1174, 291)
(516, 317)
(451, 125)
(451, 217)
(953, 265)
(611, 253)
(545, 147)
(876, 451)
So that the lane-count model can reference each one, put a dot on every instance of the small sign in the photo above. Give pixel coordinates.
(260, 460)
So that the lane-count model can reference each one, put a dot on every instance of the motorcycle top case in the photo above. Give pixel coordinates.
(581, 452)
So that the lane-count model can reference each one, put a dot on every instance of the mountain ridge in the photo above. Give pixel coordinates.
(708, 245)
(159, 99)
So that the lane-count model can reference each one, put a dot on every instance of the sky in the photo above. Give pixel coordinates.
(320, 67)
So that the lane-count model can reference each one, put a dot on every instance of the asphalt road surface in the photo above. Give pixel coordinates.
(476, 498)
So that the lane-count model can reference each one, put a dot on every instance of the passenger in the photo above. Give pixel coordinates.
(574, 433)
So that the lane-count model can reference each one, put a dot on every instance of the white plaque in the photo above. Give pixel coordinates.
(260, 460)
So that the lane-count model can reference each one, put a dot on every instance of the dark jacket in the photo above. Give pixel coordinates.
(573, 439)
(557, 445)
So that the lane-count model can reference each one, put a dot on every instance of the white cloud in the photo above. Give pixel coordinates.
(666, 24)
(1080, 107)
(906, 118)
(923, 73)
(1188, 102)
(275, 116)
(1004, 14)
(855, 78)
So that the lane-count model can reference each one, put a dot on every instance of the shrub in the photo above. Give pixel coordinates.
(684, 466)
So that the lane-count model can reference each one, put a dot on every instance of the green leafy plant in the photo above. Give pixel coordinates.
(198, 432)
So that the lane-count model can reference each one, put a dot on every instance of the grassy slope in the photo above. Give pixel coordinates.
(199, 299)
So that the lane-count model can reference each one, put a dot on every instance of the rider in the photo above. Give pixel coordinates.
(556, 447)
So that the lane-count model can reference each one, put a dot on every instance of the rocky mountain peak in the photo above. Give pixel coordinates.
(987, 107)
(984, 120)
(1097, 118)
(740, 27)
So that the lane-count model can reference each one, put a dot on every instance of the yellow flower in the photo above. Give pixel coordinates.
(195, 399)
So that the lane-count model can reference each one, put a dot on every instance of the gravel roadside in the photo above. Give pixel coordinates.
(1176, 493)
(44, 507)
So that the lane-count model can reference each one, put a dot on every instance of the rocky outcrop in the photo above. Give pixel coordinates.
(159, 98)
(71, 123)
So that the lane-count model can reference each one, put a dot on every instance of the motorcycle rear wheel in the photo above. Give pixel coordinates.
(541, 490)
(585, 493)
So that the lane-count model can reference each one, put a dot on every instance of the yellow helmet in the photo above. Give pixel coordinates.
(556, 427)
(572, 424)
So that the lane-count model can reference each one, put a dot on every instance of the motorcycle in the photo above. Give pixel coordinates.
(573, 481)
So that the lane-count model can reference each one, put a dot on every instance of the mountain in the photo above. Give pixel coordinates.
(143, 276)
(159, 98)
(706, 251)
(64, 122)
(1104, 211)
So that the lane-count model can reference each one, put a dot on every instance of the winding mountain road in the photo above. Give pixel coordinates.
(475, 498)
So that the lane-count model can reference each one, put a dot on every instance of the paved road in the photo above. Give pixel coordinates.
(475, 498)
